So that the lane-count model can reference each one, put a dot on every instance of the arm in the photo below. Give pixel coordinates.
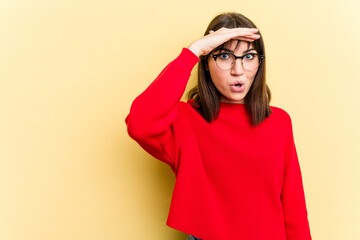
(292, 194)
(153, 111)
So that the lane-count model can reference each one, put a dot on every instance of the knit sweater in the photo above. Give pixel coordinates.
(234, 181)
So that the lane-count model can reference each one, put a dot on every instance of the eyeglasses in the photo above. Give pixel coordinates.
(226, 60)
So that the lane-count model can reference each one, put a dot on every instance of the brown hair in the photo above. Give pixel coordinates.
(205, 95)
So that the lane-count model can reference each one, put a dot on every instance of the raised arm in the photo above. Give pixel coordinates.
(154, 110)
(152, 113)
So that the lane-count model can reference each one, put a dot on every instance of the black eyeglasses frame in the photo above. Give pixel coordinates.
(261, 57)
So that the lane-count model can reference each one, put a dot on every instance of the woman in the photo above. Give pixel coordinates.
(234, 156)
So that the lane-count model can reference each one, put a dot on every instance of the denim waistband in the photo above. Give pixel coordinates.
(191, 237)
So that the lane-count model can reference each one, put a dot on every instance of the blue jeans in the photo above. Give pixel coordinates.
(191, 237)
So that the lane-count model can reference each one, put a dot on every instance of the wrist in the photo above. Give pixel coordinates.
(195, 50)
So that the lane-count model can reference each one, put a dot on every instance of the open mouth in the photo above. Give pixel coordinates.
(238, 87)
(237, 84)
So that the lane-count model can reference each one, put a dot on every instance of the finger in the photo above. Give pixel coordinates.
(247, 32)
(254, 36)
(240, 29)
(245, 39)
(245, 29)
(244, 34)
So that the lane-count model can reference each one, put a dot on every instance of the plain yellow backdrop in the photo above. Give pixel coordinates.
(69, 71)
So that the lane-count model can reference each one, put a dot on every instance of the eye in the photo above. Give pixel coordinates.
(224, 56)
(250, 56)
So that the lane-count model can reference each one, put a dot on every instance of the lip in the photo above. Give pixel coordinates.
(237, 82)
(235, 88)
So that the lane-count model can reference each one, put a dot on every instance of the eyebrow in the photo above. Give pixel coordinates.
(228, 50)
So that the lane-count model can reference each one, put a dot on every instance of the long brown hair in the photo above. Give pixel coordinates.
(205, 95)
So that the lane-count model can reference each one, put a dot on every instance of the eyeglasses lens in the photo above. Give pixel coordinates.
(249, 62)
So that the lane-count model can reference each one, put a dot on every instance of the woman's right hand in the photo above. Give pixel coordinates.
(206, 44)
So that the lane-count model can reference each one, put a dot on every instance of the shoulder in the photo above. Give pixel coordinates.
(281, 114)
(190, 101)
(188, 104)
(280, 111)
(284, 119)
(188, 108)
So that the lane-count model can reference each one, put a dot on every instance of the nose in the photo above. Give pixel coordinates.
(237, 69)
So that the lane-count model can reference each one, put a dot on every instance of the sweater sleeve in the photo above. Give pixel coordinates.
(152, 113)
(292, 193)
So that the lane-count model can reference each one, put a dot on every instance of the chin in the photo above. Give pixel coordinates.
(238, 99)
(233, 100)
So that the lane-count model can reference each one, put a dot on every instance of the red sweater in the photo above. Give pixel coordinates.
(233, 181)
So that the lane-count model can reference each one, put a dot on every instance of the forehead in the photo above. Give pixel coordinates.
(238, 45)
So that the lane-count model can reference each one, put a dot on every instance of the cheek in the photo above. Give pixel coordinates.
(219, 80)
(216, 75)
(251, 76)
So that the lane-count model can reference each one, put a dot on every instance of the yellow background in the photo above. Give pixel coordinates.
(69, 71)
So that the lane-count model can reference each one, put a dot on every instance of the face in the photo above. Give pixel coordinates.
(224, 80)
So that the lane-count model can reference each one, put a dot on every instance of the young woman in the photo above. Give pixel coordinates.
(234, 156)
